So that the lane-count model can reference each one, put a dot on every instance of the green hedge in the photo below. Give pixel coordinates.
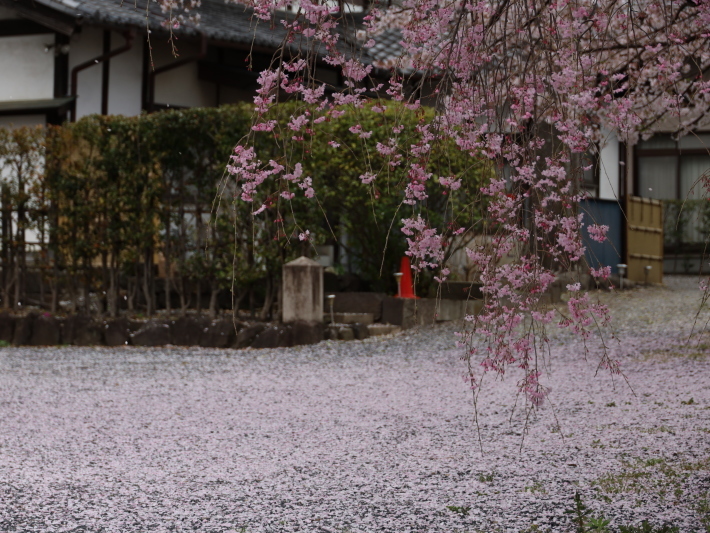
(117, 192)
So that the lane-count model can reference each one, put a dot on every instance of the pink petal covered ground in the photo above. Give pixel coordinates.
(371, 436)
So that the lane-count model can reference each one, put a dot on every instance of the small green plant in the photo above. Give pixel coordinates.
(659, 429)
(653, 461)
(626, 481)
(688, 402)
(463, 511)
(4, 344)
(536, 487)
(580, 513)
(703, 509)
(611, 404)
(583, 520)
(598, 524)
(486, 478)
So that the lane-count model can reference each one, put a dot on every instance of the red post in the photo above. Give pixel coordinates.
(407, 287)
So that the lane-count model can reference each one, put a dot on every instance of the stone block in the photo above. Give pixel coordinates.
(448, 310)
(7, 327)
(360, 331)
(357, 302)
(393, 311)
(458, 290)
(346, 334)
(350, 318)
(218, 334)
(89, 335)
(81, 330)
(302, 291)
(23, 330)
(307, 333)
(46, 331)
(408, 313)
(117, 332)
(279, 336)
(331, 333)
(153, 333)
(376, 330)
(187, 330)
(246, 335)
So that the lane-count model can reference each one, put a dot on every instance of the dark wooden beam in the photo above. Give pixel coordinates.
(61, 66)
(45, 16)
(18, 27)
(105, 73)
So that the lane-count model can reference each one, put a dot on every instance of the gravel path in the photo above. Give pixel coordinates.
(364, 436)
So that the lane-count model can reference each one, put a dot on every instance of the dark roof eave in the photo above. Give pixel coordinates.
(59, 22)
(36, 107)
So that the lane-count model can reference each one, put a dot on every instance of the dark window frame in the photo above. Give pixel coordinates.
(676, 152)
(594, 185)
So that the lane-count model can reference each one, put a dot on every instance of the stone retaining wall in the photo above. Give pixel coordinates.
(35, 329)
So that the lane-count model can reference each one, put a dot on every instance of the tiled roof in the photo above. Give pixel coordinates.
(387, 48)
(219, 20)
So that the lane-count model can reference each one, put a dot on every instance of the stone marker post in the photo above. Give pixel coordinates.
(302, 296)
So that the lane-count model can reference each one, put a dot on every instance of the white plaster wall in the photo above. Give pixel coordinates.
(27, 70)
(609, 167)
(125, 78)
(83, 47)
(180, 86)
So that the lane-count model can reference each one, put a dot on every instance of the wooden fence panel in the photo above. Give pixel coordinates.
(644, 240)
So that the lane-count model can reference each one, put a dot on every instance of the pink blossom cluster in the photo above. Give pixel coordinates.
(525, 85)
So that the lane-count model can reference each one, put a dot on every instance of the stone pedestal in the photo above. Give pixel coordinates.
(302, 296)
(409, 313)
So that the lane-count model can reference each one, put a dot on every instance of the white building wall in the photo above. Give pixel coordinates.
(83, 47)
(27, 70)
(180, 86)
(125, 78)
(609, 167)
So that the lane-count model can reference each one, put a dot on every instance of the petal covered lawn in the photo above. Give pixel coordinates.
(362, 436)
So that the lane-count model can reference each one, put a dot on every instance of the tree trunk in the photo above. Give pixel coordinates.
(237, 301)
(213, 301)
(183, 301)
(112, 296)
(132, 289)
(148, 282)
(6, 245)
(271, 289)
(21, 248)
(105, 282)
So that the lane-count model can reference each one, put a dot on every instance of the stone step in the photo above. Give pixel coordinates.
(376, 330)
(349, 318)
